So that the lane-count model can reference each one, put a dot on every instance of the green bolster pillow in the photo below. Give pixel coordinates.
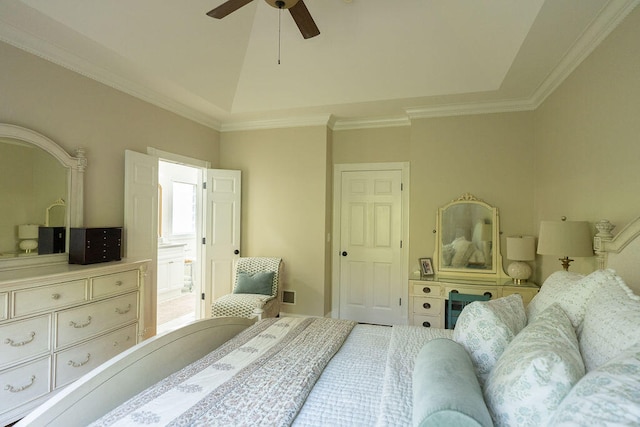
(446, 391)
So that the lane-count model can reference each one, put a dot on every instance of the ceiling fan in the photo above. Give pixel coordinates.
(297, 8)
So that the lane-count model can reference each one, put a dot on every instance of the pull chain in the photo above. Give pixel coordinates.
(279, 31)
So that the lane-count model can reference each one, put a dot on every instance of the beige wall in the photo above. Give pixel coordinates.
(588, 140)
(75, 111)
(489, 156)
(284, 205)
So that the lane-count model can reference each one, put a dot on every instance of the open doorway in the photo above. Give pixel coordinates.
(179, 254)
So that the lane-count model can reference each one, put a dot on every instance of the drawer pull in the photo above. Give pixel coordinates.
(55, 296)
(123, 310)
(116, 343)
(119, 283)
(426, 324)
(13, 389)
(488, 294)
(426, 305)
(79, 364)
(426, 290)
(81, 325)
(12, 343)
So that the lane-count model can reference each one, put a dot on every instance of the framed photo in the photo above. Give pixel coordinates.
(426, 266)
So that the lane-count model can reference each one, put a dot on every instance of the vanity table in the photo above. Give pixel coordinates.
(467, 260)
(428, 296)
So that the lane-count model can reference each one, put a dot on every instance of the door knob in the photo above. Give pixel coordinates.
(344, 253)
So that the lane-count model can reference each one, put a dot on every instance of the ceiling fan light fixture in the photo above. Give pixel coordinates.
(282, 4)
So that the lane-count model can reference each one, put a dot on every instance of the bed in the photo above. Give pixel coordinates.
(571, 357)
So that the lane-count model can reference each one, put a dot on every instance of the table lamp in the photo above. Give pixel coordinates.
(565, 238)
(520, 249)
(28, 235)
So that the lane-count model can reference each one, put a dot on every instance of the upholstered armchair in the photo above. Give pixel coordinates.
(255, 290)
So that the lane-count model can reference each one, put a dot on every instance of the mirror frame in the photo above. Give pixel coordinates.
(76, 166)
(496, 270)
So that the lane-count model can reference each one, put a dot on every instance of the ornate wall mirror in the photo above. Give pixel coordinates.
(468, 239)
(41, 193)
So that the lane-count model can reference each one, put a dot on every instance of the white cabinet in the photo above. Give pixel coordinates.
(170, 271)
(59, 321)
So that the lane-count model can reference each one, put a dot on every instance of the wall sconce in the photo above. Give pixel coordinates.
(28, 235)
(565, 238)
(520, 249)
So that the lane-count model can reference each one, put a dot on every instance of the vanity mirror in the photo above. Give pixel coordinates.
(468, 239)
(41, 193)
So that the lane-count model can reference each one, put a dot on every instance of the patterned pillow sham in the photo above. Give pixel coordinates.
(536, 371)
(611, 322)
(606, 396)
(485, 328)
(565, 288)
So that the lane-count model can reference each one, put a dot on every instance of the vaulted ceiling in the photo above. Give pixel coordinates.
(374, 62)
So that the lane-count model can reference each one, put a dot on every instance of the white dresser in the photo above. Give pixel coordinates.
(58, 322)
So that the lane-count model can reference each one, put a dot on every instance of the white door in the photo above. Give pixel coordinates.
(371, 280)
(141, 227)
(222, 241)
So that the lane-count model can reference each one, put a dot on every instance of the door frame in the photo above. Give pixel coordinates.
(203, 166)
(338, 169)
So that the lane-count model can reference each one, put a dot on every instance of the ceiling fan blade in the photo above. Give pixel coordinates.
(227, 7)
(303, 19)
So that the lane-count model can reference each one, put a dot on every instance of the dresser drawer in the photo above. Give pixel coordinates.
(472, 290)
(427, 306)
(426, 289)
(24, 383)
(76, 324)
(428, 321)
(113, 284)
(4, 305)
(24, 339)
(72, 363)
(45, 298)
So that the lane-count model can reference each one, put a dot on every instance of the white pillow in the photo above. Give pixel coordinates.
(463, 251)
(485, 328)
(611, 322)
(606, 396)
(565, 288)
(536, 371)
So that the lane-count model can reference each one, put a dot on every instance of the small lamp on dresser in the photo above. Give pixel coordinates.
(565, 238)
(28, 235)
(520, 249)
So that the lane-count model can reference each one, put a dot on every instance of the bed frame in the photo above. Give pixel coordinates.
(113, 383)
(620, 252)
(145, 364)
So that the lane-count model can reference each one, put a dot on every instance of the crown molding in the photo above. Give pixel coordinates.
(608, 19)
(289, 122)
(46, 50)
(349, 124)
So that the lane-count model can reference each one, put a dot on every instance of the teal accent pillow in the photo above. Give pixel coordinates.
(446, 391)
(258, 283)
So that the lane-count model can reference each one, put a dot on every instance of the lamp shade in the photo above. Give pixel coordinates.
(565, 238)
(521, 248)
(28, 231)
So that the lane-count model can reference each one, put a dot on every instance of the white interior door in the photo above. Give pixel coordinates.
(222, 242)
(371, 285)
(141, 227)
